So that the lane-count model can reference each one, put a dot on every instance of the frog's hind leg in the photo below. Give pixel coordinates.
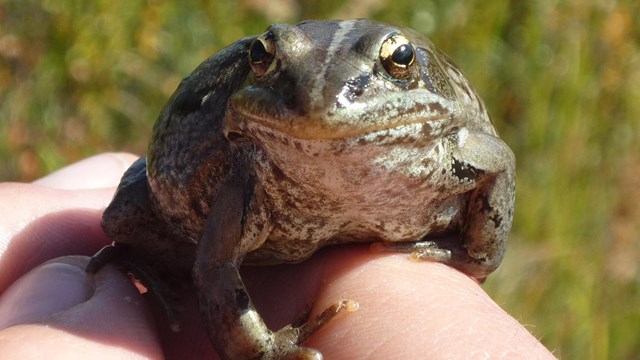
(141, 271)
(234, 325)
(144, 245)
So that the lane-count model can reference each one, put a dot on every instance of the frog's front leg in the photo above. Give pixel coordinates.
(478, 249)
(489, 212)
(235, 226)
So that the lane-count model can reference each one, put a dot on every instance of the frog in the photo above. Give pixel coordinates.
(318, 134)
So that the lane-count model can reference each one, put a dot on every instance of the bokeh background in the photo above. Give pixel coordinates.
(561, 79)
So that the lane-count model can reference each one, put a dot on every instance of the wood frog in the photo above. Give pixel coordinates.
(317, 134)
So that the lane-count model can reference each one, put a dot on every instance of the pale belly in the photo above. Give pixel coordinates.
(368, 205)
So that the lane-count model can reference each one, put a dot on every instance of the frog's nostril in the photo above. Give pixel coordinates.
(234, 136)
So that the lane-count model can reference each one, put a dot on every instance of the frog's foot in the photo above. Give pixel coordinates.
(307, 329)
(122, 256)
(421, 250)
(236, 328)
(290, 336)
(233, 324)
(104, 256)
(287, 339)
(447, 250)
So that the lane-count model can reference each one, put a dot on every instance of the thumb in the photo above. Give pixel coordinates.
(57, 308)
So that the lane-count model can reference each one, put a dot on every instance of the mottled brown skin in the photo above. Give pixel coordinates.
(321, 133)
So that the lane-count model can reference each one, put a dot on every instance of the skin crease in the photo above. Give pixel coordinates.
(407, 309)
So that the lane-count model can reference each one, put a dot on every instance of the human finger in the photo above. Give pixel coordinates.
(59, 311)
(103, 170)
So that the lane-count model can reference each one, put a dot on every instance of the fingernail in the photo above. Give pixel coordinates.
(44, 291)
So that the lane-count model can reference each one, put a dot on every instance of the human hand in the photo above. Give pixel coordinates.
(407, 309)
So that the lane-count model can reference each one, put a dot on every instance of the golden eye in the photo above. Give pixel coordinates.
(262, 54)
(397, 56)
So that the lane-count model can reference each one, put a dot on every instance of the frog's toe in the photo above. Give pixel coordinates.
(420, 250)
(447, 250)
(286, 340)
(104, 256)
(311, 326)
(303, 353)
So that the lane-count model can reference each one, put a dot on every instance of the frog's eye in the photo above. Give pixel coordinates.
(397, 56)
(262, 54)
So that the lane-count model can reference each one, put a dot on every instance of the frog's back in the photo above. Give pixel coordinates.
(189, 156)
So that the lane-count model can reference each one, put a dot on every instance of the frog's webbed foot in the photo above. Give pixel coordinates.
(124, 257)
(288, 338)
(237, 330)
(145, 245)
(234, 325)
(312, 325)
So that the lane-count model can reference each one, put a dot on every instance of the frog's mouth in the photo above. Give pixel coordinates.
(257, 110)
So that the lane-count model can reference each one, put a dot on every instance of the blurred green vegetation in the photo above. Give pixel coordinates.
(560, 78)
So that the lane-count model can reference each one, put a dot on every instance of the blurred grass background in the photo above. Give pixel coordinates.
(561, 80)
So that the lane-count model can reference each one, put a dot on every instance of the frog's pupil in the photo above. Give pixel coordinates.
(258, 52)
(403, 55)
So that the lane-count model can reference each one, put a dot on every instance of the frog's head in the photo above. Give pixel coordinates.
(331, 80)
